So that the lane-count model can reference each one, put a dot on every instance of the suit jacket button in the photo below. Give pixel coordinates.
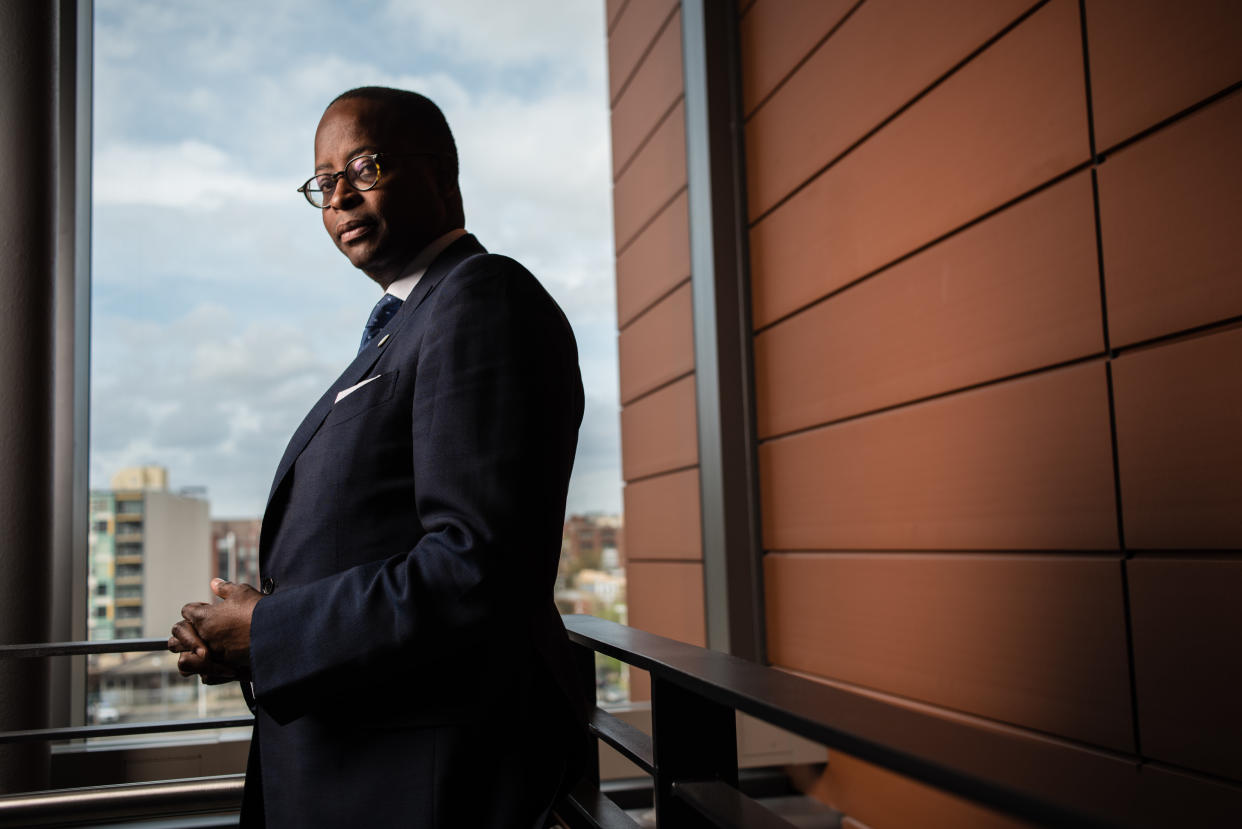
(269, 584)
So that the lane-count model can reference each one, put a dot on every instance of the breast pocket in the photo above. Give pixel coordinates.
(373, 393)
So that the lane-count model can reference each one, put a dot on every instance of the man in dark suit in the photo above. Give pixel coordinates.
(405, 657)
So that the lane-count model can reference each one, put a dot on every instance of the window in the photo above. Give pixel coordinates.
(202, 128)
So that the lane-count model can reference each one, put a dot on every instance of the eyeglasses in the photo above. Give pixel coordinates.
(362, 172)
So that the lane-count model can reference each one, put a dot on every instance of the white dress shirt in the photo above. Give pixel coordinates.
(402, 285)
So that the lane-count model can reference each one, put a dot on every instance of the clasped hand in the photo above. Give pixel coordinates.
(213, 640)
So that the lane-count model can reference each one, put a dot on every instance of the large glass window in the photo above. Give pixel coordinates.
(221, 310)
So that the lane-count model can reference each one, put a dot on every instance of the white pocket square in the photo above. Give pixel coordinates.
(343, 393)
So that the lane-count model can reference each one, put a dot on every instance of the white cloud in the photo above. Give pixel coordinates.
(596, 482)
(185, 174)
(215, 400)
(507, 33)
(206, 259)
(211, 398)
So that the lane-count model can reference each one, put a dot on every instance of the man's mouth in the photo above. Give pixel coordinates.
(356, 229)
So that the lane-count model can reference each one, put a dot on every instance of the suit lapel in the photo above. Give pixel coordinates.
(462, 249)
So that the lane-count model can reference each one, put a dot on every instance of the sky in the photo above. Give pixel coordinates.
(220, 308)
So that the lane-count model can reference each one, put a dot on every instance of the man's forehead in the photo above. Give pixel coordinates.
(354, 125)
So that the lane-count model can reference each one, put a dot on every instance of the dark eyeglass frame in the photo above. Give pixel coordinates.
(306, 189)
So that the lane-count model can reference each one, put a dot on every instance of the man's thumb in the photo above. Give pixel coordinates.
(221, 587)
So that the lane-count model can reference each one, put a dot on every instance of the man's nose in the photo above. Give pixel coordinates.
(343, 194)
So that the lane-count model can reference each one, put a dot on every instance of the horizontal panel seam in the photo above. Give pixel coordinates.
(663, 474)
(1088, 358)
(622, 248)
(685, 280)
(1196, 332)
(1165, 123)
(664, 560)
(638, 64)
(862, 139)
(1186, 554)
(647, 477)
(793, 70)
(651, 221)
(646, 139)
(1172, 768)
(944, 237)
(663, 385)
(620, 14)
(982, 720)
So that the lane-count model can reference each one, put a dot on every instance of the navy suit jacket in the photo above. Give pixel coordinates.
(410, 546)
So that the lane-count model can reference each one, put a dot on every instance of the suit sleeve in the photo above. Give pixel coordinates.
(495, 413)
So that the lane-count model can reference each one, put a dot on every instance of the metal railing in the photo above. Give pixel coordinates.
(196, 796)
(692, 755)
(47, 649)
(219, 795)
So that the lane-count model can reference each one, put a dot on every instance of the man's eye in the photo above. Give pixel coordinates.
(364, 171)
(325, 183)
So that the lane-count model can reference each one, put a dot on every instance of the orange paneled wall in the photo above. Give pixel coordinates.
(659, 427)
(997, 300)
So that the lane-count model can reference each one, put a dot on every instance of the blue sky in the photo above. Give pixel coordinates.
(220, 308)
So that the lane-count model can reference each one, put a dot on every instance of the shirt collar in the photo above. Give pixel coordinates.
(404, 284)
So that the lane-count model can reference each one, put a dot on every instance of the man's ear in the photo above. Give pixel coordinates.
(446, 182)
(451, 200)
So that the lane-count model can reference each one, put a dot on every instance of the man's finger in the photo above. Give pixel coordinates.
(186, 639)
(193, 611)
(221, 587)
(191, 663)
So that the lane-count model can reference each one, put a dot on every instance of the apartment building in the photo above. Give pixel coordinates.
(145, 554)
(594, 541)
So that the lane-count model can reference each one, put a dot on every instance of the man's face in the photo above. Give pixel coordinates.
(379, 230)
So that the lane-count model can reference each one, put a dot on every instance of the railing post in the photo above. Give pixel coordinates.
(694, 739)
(585, 658)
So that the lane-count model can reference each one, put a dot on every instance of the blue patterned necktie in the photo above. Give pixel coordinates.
(380, 315)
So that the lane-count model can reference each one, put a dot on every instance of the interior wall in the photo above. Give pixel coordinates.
(996, 306)
(659, 432)
(997, 289)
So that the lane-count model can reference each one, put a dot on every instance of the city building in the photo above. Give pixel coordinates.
(591, 580)
(146, 560)
(593, 541)
(145, 553)
(235, 549)
(608, 589)
(591, 576)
